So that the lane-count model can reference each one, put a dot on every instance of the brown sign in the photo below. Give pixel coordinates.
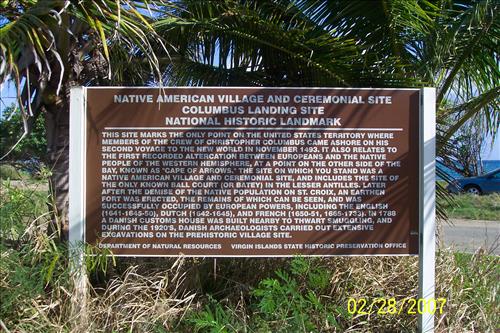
(252, 171)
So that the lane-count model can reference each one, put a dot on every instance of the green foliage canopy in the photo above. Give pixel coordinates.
(448, 44)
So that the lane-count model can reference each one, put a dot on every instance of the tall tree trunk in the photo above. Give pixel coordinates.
(57, 129)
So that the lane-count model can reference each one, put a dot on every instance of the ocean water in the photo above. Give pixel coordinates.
(488, 165)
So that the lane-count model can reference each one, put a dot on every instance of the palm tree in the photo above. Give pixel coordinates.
(280, 43)
(449, 44)
(46, 47)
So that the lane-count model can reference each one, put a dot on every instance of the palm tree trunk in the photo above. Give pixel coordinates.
(57, 129)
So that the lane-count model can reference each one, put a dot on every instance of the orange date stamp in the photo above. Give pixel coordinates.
(391, 306)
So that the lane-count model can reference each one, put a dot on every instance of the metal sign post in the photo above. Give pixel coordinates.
(76, 205)
(426, 280)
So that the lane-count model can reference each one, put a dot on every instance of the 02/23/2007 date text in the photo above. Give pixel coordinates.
(391, 306)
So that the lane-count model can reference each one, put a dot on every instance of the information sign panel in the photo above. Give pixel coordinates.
(251, 171)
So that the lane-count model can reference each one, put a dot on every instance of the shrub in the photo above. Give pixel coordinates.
(8, 171)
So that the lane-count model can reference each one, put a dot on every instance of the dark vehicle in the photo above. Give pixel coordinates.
(488, 183)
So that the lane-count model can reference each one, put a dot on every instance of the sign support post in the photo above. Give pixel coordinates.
(427, 205)
(76, 203)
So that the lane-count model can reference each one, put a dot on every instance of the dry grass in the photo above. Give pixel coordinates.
(140, 303)
(158, 301)
(165, 295)
(469, 283)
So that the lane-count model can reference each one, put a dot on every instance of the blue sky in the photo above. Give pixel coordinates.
(492, 153)
(8, 93)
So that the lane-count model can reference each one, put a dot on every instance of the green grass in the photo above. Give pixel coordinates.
(235, 295)
(479, 207)
(310, 295)
(8, 171)
(476, 285)
(20, 205)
